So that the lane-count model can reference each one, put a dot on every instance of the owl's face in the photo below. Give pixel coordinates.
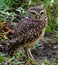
(37, 13)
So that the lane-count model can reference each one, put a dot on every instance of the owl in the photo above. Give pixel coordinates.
(28, 31)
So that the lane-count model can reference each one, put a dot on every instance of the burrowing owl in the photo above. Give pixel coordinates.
(29, 30)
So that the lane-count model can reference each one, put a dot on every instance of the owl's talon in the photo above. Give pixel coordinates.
(31, 62)
(27, 62)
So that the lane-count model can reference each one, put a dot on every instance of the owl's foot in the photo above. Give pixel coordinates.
(30, 58)
(31, 61)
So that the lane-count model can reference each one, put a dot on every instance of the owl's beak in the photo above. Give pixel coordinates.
(37, 17)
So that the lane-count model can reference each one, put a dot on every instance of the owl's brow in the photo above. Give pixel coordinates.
(42, 11)
(34, 12)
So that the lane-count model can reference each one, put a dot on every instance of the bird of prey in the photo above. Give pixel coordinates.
(28, 31)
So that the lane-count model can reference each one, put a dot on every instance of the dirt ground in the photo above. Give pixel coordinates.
(47, 50)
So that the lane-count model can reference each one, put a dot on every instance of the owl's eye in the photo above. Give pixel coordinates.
(33, 13)
(41, 13)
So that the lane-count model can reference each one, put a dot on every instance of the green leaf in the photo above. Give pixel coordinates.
(48, 29)
(1, 4)
(30, 1)
(2, 58)
(56, 21)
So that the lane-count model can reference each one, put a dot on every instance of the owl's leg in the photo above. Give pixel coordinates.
(28, 53)
(29, 56)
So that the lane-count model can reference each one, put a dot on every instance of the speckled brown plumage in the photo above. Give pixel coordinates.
(29, 30)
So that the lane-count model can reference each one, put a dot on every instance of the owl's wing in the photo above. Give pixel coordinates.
(26, 31)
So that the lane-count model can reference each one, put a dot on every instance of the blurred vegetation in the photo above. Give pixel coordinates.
(14, 10)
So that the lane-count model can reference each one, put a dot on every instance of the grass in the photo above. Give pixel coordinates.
(9, 9)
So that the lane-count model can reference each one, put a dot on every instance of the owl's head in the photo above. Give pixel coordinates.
(37, 13)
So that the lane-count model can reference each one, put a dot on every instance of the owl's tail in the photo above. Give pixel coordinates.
(3, 47)
(8, 47)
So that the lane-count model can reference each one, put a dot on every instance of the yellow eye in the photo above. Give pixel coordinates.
(41, 13)
(33, 13)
